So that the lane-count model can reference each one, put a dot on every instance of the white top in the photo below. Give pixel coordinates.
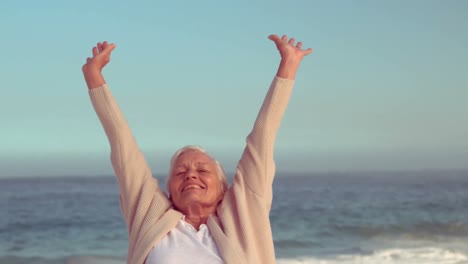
(184, 244)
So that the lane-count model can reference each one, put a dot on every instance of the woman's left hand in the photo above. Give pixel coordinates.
(288, 50)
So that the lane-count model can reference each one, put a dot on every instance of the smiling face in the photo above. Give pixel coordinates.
(194, 182)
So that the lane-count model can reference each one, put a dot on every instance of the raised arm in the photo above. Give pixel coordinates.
(132, 171)
(246, 206)
(257, 167)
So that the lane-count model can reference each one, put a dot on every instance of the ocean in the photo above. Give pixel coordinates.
(320, 218)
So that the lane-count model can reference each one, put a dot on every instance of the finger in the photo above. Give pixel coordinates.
(104, 45)
(109, 48)
(284, 37)
(274, 37)
(88, 60)
(299, 45)
(95, 51)
(307, 51)
(291, 41)
(99, 45)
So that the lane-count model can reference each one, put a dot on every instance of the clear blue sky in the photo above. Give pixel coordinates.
(385, 88)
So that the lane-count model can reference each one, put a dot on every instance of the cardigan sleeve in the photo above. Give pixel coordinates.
(130, 167)
(244, 211)
(256, 166)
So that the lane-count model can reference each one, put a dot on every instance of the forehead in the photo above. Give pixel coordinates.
(193, 157)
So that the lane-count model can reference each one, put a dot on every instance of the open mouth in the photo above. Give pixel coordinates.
(193, 187)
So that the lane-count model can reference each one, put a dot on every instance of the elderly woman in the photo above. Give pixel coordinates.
(202, 221)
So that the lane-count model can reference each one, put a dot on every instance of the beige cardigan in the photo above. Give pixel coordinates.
(241, 226)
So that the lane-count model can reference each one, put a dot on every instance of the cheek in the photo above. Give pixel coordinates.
(173, 185)
(216, 185)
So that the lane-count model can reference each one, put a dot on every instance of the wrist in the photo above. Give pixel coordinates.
(288, 68)
(93, 77)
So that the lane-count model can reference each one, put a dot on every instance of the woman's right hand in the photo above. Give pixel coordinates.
(93, 66)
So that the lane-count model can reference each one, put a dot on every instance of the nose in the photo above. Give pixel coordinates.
(191, 174)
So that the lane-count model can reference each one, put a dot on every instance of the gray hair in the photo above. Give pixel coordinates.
(219, 169)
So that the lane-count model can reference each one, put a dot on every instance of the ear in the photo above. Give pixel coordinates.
(222, 193)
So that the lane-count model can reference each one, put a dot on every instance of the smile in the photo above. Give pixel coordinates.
(192, 186)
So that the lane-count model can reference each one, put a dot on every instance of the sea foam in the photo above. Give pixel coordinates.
(428, 255)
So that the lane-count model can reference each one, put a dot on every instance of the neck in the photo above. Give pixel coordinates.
(197, 215)
(196, 221)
